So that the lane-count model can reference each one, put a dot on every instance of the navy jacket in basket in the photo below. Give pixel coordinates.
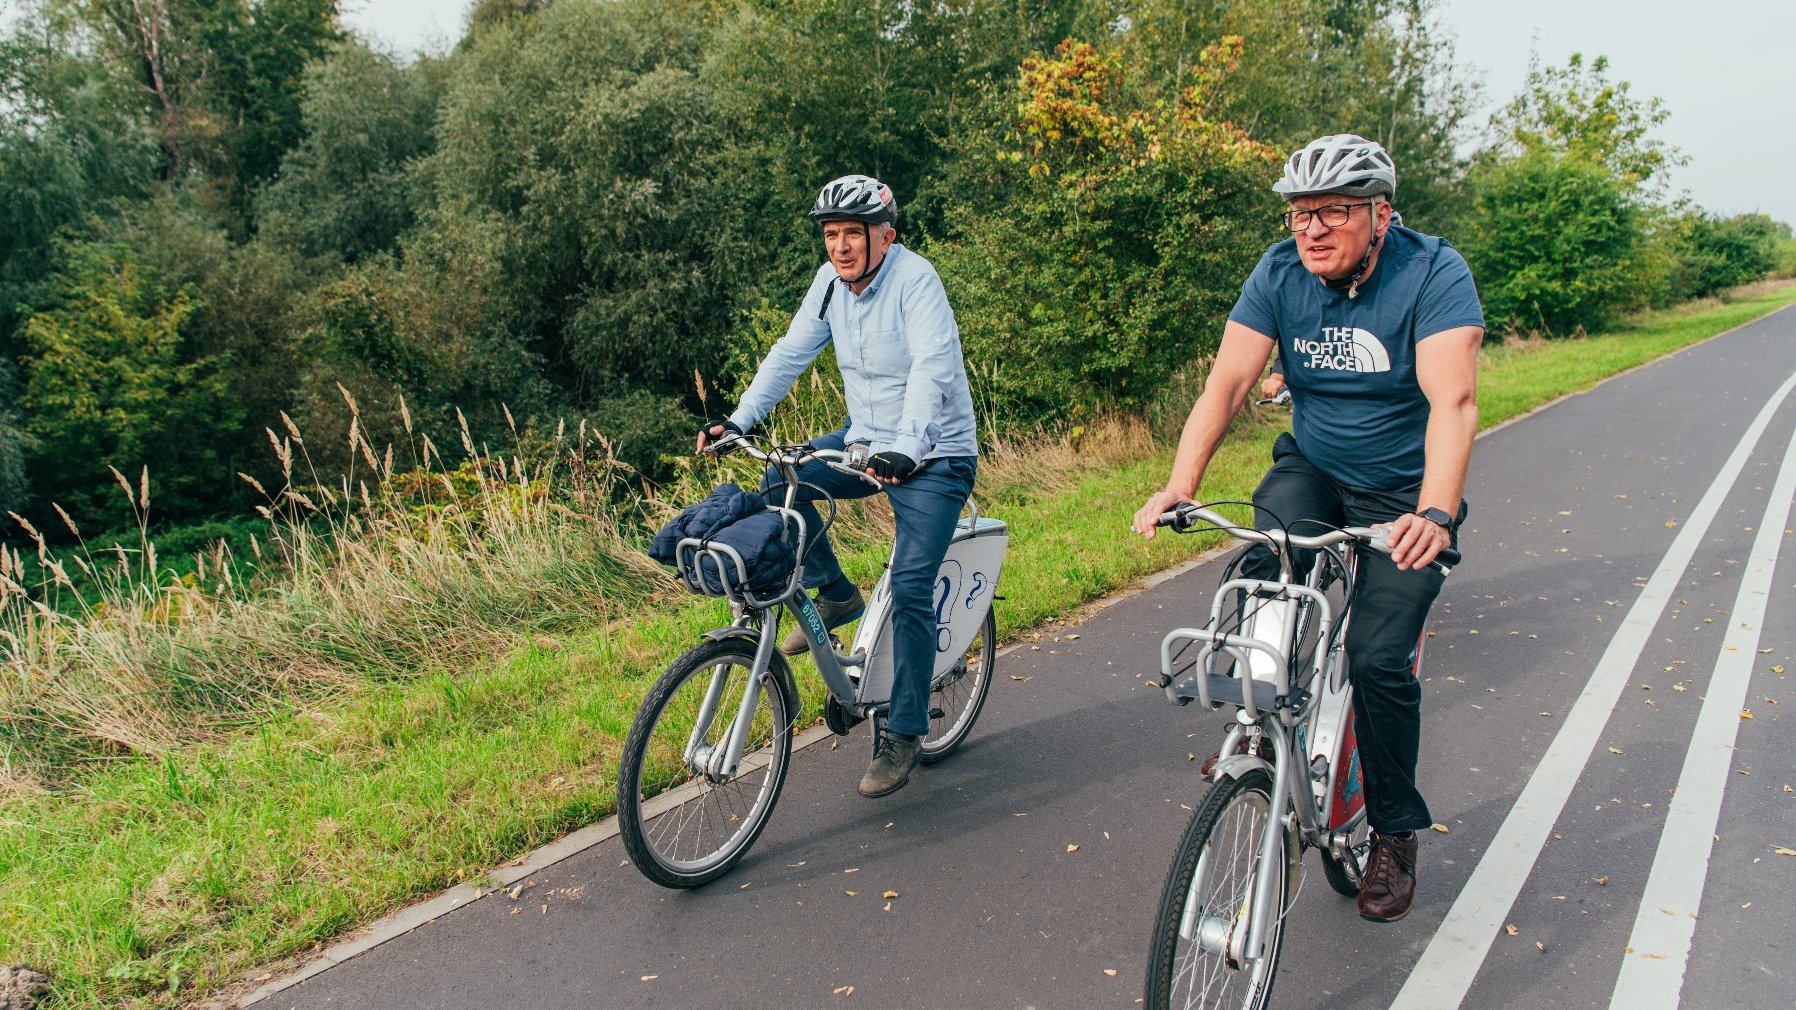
(742, 521)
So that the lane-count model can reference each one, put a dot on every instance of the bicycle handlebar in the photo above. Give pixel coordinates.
(852, 461)
(1183, 518)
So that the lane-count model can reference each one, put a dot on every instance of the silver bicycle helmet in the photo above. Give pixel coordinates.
(856, 198)
(1342, 163)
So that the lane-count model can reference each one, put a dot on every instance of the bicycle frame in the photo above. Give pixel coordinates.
(759, 618)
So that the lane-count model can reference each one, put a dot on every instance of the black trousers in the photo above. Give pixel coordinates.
(1389, 610)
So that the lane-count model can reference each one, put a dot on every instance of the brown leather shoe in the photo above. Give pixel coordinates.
(1389, 883)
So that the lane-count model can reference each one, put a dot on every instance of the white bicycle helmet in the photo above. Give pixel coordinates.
(856, 198)
(1343, 163)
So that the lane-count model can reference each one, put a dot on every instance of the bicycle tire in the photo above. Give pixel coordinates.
(652, 766)
(1172, 979)
(959, 695)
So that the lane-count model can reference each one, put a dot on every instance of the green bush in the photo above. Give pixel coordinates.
(107, 385)
(1555, 241)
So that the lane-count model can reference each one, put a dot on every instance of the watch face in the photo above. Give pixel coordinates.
(1439, 517)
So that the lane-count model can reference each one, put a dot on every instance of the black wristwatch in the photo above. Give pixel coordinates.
(1439, 517)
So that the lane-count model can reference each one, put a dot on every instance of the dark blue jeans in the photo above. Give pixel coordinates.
(926, 506)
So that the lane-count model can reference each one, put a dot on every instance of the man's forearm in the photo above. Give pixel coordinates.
(1448, 455)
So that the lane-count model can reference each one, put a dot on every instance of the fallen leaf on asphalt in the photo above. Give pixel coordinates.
(1746, 713)
(1072, 848)
(1615, 750)
(851, 893)
(889, 895)
(1784, 851)
(1442, 828)
(1679, 688)
(888, 907)
(852, 869)
(650, 978)
(1072, 638)
(1777, 669)
(1603, 881)
(843, 990)
(1110, 971)
(1015, 677)
(1747, 905)
(1510, 929)
(514, 892)
(1548, 715)
(1539, 946)
(516, 911)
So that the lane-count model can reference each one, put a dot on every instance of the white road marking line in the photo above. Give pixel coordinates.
(1652, 974)
(1448, 966)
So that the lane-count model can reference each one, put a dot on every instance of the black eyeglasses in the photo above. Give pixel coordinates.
(1333, 216)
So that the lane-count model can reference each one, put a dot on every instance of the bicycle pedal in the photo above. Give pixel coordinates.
(839, 720)
(936, 713)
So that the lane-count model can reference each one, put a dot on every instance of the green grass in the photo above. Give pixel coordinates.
(156, 881)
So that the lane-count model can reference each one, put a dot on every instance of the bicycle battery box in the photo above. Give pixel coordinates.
(964, 589)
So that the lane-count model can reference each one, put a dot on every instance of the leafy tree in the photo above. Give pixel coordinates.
(106, 385)
(345, 188)
(1714, 253)
(1555, 241)
(15, 445)
(219, 77)
(1577, 110)
(70, 144)
(1124, 240)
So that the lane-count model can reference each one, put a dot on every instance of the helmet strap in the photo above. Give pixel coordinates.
(1351, 281)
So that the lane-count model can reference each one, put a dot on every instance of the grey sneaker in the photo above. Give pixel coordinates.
(893, 758)
(834, 616)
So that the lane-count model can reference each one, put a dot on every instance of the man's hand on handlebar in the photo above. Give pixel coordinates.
(891, 467)
(1415, 541)
(1148, 516)
(713, 431)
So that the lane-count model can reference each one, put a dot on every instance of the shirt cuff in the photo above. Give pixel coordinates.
(742, 419)
(911, 446)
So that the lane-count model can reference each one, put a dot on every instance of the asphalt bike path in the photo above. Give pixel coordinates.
(1568, 677)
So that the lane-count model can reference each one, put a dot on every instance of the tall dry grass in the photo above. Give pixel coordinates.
(382, 573)
(389, 570)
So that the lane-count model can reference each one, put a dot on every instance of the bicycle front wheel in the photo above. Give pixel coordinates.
(685, 819)
(1200, 933)
(957, 695)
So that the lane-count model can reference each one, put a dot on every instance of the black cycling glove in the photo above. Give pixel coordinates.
(893, 465)
(728, 426)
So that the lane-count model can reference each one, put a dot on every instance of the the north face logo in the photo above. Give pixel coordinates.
(1345, 349)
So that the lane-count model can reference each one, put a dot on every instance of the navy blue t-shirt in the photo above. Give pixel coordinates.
(1357, 411)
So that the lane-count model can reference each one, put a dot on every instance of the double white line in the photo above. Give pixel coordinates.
(1447, 968)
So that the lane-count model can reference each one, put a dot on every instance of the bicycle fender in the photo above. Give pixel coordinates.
(719, 634)
(1236, 765)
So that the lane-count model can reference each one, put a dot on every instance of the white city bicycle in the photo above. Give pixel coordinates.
(707, 754)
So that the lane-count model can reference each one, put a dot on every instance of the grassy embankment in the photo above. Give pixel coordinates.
(154, 880)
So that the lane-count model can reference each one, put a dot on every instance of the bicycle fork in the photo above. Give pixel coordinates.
(718, 762)
(1240, 934)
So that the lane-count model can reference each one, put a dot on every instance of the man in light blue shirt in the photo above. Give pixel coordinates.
(898, 347)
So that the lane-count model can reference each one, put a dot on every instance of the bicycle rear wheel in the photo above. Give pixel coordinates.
(685, 824)
(1200, 930)
(957, 696)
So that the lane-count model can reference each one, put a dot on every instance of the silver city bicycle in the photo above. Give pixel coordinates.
(1287, 777)
(707, 755)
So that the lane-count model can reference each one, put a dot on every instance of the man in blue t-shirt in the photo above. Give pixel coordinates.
(1377, 328)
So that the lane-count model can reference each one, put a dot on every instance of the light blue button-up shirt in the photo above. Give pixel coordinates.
(899, 350)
